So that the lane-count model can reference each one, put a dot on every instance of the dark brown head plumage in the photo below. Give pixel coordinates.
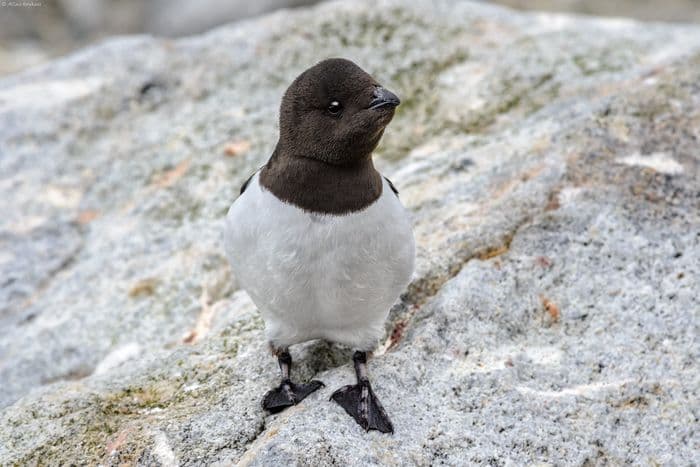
(331, 119)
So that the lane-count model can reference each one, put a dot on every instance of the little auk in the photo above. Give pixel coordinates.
(318, 237)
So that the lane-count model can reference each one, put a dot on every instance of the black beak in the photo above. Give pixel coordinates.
(383, 98)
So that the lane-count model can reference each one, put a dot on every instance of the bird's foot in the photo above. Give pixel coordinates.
(288, 394)
(360, 402)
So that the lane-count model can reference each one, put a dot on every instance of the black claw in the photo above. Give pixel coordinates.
(288, 394)
(360, 402)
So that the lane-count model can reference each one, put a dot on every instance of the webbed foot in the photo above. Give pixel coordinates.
(360, 402)
(288, 394)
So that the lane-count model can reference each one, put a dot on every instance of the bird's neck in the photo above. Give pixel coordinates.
(317, 186)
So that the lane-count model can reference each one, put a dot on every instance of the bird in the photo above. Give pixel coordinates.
(318, 238)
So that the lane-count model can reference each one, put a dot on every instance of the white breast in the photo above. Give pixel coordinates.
(319, 276)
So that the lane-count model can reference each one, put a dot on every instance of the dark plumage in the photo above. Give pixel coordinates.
(331, 119)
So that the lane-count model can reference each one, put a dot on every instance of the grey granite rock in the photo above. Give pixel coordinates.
(551, 165)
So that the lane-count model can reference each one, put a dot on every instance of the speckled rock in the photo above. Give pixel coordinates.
(551, 166)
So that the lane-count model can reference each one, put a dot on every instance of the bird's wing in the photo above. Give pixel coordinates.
(245, 184)
(391, 185)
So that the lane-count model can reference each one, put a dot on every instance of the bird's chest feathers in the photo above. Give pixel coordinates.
(306, 242)
(320, 275)
(271, 238)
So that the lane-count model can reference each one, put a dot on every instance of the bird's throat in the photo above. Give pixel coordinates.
(319, 187)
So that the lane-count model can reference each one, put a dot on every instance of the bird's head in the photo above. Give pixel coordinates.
(334, 112)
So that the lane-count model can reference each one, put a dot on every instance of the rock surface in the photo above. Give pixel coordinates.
(674, 10)
(552, 167)
(31, 32)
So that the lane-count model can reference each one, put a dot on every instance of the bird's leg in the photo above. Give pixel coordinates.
(360, 402)
(287, 393)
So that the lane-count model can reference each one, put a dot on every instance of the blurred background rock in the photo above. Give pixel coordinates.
(32, 32)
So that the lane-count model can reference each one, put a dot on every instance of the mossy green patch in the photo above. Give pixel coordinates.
(117, 427)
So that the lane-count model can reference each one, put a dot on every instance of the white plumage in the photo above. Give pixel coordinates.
(320, 276)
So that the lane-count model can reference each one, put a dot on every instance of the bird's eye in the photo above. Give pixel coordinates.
(334, 108)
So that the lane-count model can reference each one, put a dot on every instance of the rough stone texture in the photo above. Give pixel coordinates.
(650, 10)
(551, 165)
